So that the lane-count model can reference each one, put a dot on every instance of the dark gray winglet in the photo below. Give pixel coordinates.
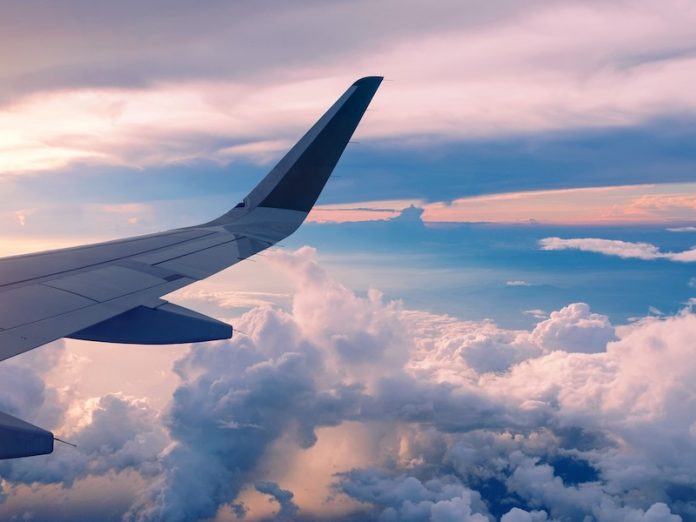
(297, 180)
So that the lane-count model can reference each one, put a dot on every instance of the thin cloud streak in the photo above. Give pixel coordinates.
(629, 204)
(614, 247)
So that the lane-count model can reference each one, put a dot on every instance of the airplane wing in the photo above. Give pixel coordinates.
(112, 291)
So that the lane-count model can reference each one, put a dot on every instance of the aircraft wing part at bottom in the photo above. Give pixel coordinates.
(21, 439)
(164, 324)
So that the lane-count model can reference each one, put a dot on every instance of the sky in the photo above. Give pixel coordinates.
(488, 316)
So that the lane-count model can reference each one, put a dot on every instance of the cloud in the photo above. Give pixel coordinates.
(460, 346)
(682, 229)
(211, 43)
(542, 487)
(536, 313)
(237, 399)
(360, 212)
(459, 420)
(595, 205)
(117, 433)
(574, 329)
(519, 515)
(288, 509)
(614, 247)
(592, 205)
(113, 433)
(191, 92)
(234, 299)
(569, 385)
(407, 498)
(517, 282)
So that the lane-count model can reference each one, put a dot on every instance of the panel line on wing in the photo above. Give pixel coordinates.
(106, 261)
(33, 303)
(69, 292)
(199, 251)
(114, 242)
(105, 283)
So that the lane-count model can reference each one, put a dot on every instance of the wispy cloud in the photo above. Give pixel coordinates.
(614, 247)
(361, 211)
(594, 205)
(517, 282)
(536, 313)
(682, 229)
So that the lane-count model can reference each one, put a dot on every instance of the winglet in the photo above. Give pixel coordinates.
(297, 180)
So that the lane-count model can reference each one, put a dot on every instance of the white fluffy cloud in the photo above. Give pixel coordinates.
(403, 497)
(542, 488)
(574, 329)
(467, 420)
(457, 347)
(118, 433)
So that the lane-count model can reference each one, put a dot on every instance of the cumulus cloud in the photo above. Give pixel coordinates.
(573, 418)
(117, 433)
(519, 515)
(614, 247)
(113, 433)
(460, 346)
(556, 411)
(541, 487)
(404, 497)
(24, 393)
(236, 399)
(574, 329)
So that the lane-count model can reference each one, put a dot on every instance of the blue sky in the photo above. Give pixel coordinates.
(488, 316)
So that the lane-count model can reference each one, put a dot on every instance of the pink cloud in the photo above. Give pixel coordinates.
(556, 66)
(669, 203)
(362, 211)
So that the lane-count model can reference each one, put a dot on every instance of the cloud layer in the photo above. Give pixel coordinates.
(461, 420)
(193, 89)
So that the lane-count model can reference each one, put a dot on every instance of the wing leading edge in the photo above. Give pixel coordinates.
(112, 291)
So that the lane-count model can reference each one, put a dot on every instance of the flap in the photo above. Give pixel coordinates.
(165, 324)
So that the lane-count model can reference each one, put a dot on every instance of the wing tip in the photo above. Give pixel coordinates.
(369, 81)
(299, 177)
